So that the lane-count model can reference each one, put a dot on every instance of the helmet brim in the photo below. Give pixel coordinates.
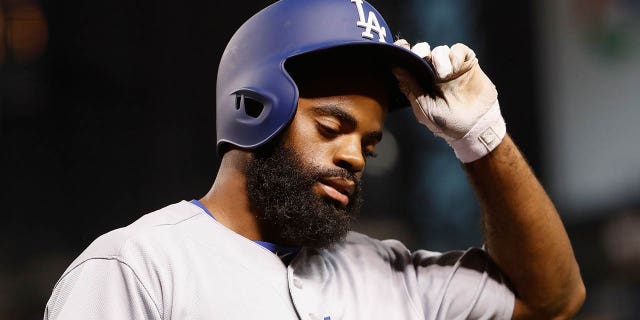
(386, 57)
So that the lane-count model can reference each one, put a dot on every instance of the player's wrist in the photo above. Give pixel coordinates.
(483, 137)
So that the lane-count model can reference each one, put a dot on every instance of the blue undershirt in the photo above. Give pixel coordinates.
(286, 254)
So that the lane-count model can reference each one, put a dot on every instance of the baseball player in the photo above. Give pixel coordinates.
(303, 89)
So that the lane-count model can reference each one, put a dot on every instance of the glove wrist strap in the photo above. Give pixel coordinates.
(485, 136)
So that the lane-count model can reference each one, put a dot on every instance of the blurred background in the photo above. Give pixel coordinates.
(107, 113)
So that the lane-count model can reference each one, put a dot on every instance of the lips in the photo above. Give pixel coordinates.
(337, 188)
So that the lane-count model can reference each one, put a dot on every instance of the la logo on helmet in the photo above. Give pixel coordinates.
(370, 24)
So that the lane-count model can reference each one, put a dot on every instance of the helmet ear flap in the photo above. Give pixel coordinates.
(250, 116)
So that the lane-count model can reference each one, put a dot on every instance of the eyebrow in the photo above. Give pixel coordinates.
(345, 117)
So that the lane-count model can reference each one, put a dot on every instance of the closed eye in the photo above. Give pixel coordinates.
(327, 130)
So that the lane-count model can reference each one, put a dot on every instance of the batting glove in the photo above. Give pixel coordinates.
(465, 110)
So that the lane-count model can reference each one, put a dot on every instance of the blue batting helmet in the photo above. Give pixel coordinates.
(256, 97)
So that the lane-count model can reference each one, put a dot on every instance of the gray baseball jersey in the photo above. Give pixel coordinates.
(179, 263)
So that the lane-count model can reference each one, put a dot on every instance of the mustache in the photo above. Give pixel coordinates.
(320, 173)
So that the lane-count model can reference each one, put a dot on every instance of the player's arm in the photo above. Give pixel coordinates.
(525, 236)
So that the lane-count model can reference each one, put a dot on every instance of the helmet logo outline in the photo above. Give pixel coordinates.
(370, 24)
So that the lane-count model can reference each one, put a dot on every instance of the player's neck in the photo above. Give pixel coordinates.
(228, 201)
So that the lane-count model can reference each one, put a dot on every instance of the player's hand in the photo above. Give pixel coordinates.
(465, 110)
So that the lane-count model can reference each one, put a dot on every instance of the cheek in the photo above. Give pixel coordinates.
(310, 147)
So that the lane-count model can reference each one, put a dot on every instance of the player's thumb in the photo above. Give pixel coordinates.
(407, 83)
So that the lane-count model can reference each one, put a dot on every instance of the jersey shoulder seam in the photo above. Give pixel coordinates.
(121, 261)
(134, 233)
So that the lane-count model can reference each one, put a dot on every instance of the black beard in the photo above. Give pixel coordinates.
(279, 187)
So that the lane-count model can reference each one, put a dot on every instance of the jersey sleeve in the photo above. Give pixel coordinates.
(101, 288)
(454, 285)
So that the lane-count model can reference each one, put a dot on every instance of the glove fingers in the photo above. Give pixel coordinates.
(441, 61)
(462, 58)
(423, 50)
(403, 43)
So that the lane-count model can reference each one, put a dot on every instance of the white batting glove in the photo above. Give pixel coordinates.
(465, 110)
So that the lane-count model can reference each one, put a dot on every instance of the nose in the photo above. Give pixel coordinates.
(348, 155)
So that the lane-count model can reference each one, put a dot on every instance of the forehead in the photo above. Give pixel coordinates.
(360, 97)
